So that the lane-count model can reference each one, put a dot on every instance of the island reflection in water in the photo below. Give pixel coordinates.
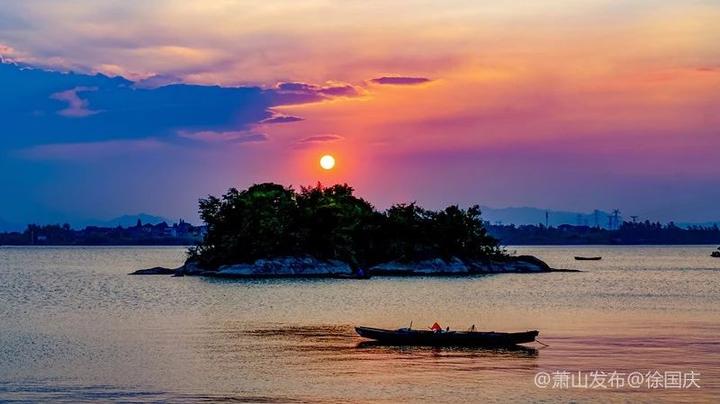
(76, 327)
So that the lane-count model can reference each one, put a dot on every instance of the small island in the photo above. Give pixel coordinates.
(270, 230)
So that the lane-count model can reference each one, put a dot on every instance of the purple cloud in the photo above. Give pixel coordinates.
(400, 80)
(76, 106)
(158, 80)
(297, 87)
(209, 136)
(320, 139)
(344, 90)
(298, 93)
(282, 119)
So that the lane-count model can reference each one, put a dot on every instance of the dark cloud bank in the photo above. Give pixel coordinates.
(40, 107)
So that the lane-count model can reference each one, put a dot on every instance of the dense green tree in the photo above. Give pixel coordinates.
(333, 222)
(246, 225)
(408, 233)
(461, 233)
(269, 220)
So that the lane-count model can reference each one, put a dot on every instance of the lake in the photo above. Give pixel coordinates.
(75, 327)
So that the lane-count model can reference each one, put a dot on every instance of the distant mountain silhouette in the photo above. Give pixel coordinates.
(528, 215)
(128, 220)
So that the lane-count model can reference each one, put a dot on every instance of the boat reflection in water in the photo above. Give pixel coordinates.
(517, 351)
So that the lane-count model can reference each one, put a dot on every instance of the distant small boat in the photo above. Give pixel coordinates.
(588, 258)
(406, 336)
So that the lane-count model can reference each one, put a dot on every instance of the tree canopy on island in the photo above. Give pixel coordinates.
(270, 220)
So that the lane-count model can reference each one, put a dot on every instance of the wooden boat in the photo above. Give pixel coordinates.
(406, 336)
(588, 258)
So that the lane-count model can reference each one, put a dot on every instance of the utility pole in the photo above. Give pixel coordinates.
(547, 219)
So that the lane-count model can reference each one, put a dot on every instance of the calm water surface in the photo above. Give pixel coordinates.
(75, 327)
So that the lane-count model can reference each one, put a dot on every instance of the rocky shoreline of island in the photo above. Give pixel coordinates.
(309, 267)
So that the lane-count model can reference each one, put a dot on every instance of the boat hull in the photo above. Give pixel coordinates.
(431, 338)
(588, 258)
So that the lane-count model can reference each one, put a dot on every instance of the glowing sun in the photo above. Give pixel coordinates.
(327, 162)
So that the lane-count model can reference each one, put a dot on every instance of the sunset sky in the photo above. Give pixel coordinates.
(572, 105)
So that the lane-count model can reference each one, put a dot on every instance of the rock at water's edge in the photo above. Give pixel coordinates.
(287, 267)
(436, 266)
(309, 267)
(456, 266)
(154, 271)
(519, 264)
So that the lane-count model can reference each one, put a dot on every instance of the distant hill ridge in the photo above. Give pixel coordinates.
(128, 220)
(122, 221)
